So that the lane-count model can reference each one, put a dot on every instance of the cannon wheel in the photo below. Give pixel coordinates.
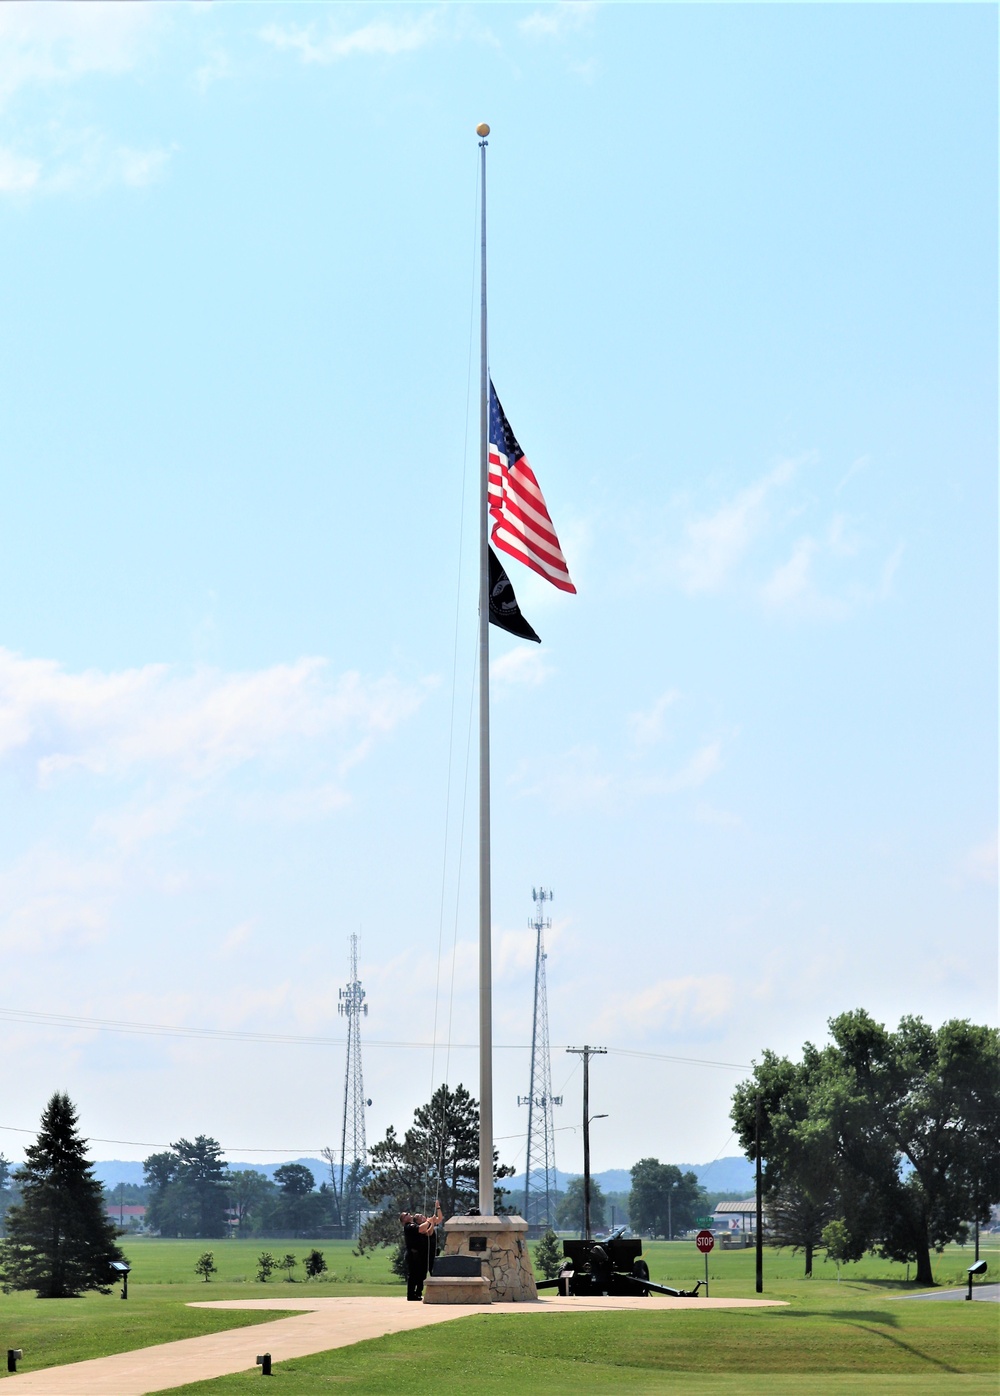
(640, 1270)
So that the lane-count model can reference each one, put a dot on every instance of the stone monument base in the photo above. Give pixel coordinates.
(501, 1244)
(457, 1289)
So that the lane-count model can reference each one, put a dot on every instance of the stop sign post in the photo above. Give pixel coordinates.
(705, 1241)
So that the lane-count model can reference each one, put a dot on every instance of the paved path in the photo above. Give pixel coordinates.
(990, 1293)
(329, 1323)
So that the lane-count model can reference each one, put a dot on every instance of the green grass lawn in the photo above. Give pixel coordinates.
(858, 1335)
(158, 1261)
(162, 1284)
(862, 1344)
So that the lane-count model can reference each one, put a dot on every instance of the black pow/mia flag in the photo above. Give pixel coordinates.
(504, 610)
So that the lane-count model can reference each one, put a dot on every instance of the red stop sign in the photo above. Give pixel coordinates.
(704, 1241)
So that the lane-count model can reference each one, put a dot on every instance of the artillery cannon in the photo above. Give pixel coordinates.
(609, 1265)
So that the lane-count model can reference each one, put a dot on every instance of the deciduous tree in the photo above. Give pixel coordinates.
(663, 1197)
(570, 1209)
(796, 1219)
(298, 1207)
(901, 1129)
(249, 1193)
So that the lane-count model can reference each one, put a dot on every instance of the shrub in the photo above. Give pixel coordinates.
(548, 1255)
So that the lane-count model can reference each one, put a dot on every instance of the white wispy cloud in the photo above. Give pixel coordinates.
(716, 543)
(557, 21)
(378, 37)
(795, 588)
(197, 723)
(979, 863)
(700, 767)
(78, 161)
(646, 727)
(216, 68)
(526, 666)
(743, 549)
(58, 42)
(47, 49)
(688, 1004)
(790, 583)
(52, 898)
(19, 174)
(582, 778)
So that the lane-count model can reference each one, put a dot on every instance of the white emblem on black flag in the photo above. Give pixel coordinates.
(504, 610)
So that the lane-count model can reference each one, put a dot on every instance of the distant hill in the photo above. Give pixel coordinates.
(734, 1174)
(113, 1171)
(721, 1175)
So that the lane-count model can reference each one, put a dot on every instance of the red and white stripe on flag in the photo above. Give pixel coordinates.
(522, 526)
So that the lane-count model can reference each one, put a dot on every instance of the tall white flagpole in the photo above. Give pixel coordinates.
(486, 1203)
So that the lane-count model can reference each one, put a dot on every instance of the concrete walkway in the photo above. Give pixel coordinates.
(989, 1293)
(329, 1323)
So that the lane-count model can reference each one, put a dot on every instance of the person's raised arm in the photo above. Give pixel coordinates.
(428, 1225)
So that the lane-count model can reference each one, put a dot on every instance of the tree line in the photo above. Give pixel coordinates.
(880, 1141)
(884, 1141)
(438, 1157)
(192, 1192)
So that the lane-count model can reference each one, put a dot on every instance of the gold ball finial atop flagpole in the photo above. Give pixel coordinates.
(482, 129)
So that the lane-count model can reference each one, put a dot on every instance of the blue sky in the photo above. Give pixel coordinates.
(743, 321)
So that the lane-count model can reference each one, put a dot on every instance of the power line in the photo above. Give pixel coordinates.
(303, 1150)
(72, 1020)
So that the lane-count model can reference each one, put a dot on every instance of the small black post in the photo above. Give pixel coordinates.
(264, 1363)
(759, 1283)
(977, 1220)
(14, 1355)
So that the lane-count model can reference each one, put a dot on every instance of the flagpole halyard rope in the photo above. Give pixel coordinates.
(451, 722)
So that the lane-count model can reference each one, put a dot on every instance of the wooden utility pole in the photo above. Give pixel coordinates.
(586, 1053)
(759, 1285)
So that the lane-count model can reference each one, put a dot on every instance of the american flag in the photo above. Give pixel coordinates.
(521, 523)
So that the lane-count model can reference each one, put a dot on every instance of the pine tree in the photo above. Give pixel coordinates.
(59, 1240)
(438, 1157)
(549, 1258)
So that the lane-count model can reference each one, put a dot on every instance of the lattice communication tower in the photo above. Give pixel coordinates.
(540, 1157)
(353, 1148)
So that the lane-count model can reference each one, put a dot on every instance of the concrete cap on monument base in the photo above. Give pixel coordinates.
(457, 1289)
(501, 1244)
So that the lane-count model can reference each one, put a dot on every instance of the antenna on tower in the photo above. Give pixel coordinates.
(540, 1156)
(353, 1149)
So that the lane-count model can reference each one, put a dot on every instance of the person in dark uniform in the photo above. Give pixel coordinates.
(420, 1243)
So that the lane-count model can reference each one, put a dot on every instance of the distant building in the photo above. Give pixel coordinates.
(736, 1222)
(133, 1218)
